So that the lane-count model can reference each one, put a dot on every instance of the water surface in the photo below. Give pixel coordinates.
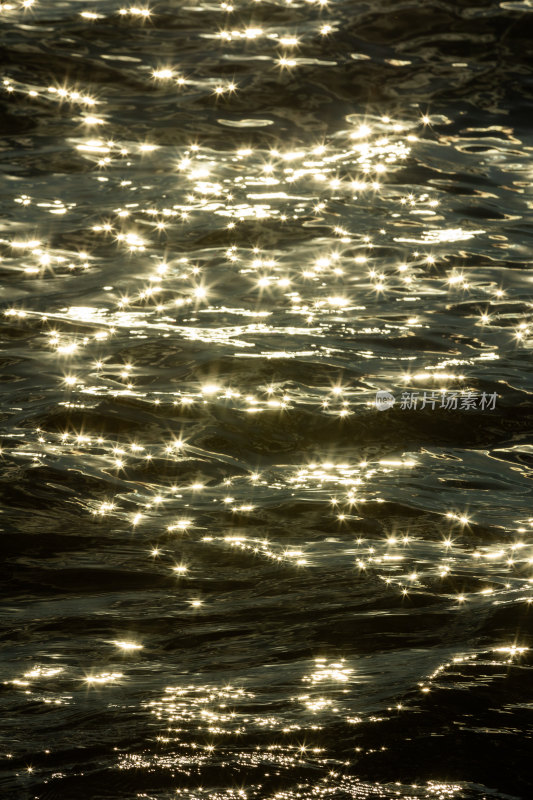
(224, 227)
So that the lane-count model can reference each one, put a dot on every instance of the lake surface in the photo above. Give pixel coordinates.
(230, 569)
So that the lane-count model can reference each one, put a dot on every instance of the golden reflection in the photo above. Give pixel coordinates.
(127, 646)
(248, 292)
(103, 678)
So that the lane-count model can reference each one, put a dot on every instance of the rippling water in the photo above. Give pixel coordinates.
(230, 572)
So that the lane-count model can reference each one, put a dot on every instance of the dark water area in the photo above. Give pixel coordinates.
(230, 570)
